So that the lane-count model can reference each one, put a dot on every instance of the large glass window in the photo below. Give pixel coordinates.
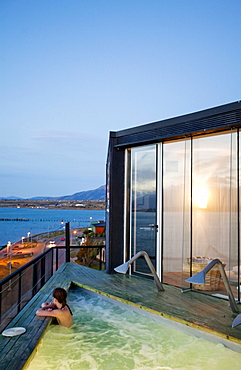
(215, 204)
(143, 204)
(197, 206)
(176, 211)
(236, 270)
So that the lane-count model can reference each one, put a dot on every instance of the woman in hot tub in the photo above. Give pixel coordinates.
(58, 308)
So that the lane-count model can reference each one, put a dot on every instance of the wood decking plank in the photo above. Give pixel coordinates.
(14, 358)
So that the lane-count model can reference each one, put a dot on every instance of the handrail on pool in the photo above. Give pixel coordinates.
(199, 278)
(122, 269)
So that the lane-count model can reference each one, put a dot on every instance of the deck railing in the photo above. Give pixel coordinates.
(20, 286)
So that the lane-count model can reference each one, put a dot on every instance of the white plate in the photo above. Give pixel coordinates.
(13, 331)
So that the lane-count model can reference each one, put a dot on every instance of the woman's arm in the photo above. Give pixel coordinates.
(48, 312)
(63, 316)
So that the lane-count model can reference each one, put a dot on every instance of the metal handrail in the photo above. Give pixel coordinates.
(199, 278)
(38, 258)
(12, 284)
(24, 267)
(122, 269)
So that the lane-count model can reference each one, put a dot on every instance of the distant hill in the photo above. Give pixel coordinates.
(11, 198)
(96, 194)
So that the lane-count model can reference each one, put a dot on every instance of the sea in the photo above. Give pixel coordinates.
(16, 223)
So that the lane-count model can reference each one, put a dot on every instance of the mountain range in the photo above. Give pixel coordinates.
(96, 194)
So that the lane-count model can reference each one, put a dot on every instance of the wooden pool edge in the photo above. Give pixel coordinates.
(33, 353)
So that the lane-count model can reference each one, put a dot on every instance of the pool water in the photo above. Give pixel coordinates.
(107, 336)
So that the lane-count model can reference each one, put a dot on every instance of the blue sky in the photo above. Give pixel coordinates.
(71, 71)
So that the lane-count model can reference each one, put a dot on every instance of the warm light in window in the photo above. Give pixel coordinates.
(200, 196)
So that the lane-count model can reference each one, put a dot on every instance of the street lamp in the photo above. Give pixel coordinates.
(73, 233)
(30, 242)
(9, 252)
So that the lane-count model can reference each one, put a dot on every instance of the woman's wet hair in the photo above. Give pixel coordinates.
(60, 294)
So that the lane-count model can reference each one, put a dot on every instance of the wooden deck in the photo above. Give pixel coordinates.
(194, 309)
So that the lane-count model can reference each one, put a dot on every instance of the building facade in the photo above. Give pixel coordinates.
(173, 191)
(98, 227)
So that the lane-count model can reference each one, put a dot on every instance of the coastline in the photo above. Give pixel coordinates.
(22, 253)
(18, 223)
(54, 204)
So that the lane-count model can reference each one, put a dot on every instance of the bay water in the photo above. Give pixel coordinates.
(16, 223)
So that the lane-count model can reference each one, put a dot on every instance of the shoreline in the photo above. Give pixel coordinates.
(17, 223)
(23, 253)
(54, 204)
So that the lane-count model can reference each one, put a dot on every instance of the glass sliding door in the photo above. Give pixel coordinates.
(143, 226)
(176, 211)
(215, 206)
(237, 267)
(196, 204)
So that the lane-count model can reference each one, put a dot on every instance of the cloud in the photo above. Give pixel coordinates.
(69, 139)
(55, 135)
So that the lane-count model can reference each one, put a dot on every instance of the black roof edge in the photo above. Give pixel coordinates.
(179, 119)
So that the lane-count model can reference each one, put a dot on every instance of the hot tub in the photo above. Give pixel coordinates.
(108, 334)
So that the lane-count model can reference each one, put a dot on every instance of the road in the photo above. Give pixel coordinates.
(21, 253)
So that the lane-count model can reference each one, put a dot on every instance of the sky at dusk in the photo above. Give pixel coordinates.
(71, 71)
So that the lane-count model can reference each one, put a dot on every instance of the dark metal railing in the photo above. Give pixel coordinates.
(20, 286)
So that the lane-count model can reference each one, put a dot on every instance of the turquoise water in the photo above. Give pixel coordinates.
(42, 220)
(106, 336)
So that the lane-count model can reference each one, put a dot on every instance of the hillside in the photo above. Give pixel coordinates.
(95, 194)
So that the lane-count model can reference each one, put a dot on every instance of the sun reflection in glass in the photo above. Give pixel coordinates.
(200, 196)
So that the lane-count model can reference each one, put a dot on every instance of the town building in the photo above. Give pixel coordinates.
(98, 227)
